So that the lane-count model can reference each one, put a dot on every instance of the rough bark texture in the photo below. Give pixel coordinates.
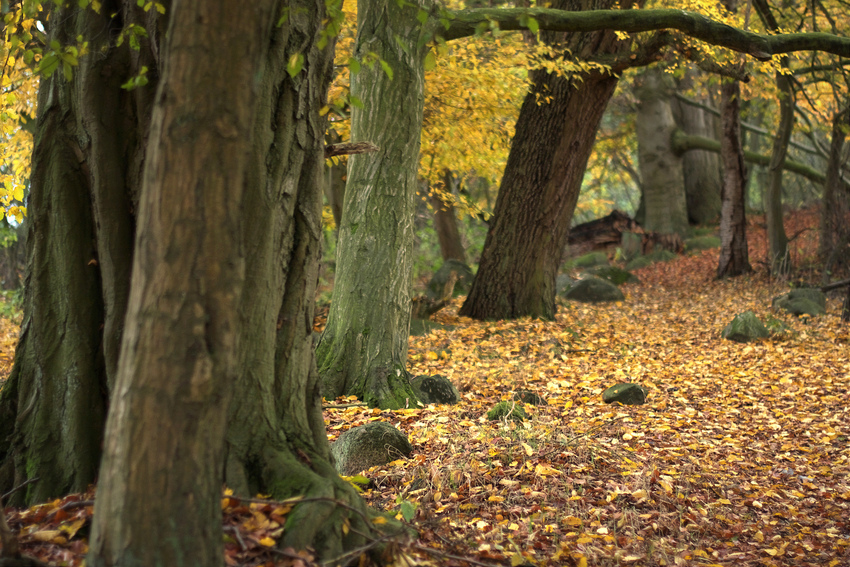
(835, 216)
(780, 260)
(86, 173)
(701, 169)
(662, 178)
(363, 350)
(445, 223)
(734, 255)
(541, 183)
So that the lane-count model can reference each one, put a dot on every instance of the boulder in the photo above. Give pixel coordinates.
(367, 446)
(507, 410)
(631, 245)
(594, 290)
(529, 397)
(802, 301)
(613, 274)
(588, 260)
(639, 262)
(745, 327)
(563, 282)
(437, 285)
(627, 393)
(701, 243)
(435, 389)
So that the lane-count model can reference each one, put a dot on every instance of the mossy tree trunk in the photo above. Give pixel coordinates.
(834, 228)
(539, 190)
(780, 260)
(363, 350)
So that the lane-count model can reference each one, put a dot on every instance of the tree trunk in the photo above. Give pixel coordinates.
(445, 223)
(835, 215)
(85, 177)
(662, 178)
(541, 183)
(363, 350)
(734, 256)
(780, 261)
(701, 169)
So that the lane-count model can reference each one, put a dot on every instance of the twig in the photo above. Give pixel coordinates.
(444, 555)
(238, 536)
(348, 148)
(17, 488)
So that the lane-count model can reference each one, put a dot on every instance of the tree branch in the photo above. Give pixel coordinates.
(465, 23)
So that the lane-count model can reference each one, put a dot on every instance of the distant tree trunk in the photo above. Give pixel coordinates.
(445, 223)
(363, 350)
(734, 256)
(780, 261)
(335, 184)
(701, 169)
(539, 190)
(662, 179)
(835, 215)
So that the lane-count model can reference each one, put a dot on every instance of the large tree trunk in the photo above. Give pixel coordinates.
(85, 176)
(363, 350)
(662, 177)
(734, 255)
(445, 222)
(835, 215)
(780, 261)
(52, 408)
(542, 180)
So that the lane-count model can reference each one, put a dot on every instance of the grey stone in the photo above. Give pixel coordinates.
(639, 262)
(435, 389)
(529, 397)
(627, 393)
(369, 445)
(745, 327)
(588, 260)
(802, 301)
(563, 282)
(593, 290)
(613, 274)
(631, 245)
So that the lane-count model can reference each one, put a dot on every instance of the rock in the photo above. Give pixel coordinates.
(441, 277)
(435, 389)
(588, 261)
(613, 274)
(369, 445)
(631, 245)
(802, 301)
(701, 243)
(529, 397)
(639, 262)
(593, 290)
(562, 282)
(745, 327)
(627, 393)
(507, 410)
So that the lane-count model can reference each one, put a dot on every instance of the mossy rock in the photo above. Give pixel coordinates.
(441, 277)
(593, 290)
(706, 242)
(802, 301)
(626, 393)
(631, 245)
(613, 274)
(370, 445)
(507, 410)
(588, 261)
(435, 389)
(776, 327)
(529, 397)
(639, 262)
(744, 328)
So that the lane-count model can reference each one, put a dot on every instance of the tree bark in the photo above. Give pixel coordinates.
(662, 176)
(780, 260)
(363, 350)
(734, 255)
(445, 223)
(541, 183)
(835, 213)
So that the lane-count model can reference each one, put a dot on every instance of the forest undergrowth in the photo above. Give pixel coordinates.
(739, 457)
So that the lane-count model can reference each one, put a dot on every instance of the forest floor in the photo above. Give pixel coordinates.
(741, 455)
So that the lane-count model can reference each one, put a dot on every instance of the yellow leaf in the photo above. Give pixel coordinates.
(572, 521)
(545, 470)
(267, 541)
(528, 450)
(46, 535)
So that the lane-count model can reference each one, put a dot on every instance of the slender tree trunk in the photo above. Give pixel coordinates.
(445, 223)
(780, 261)
(363, 350)
(540, 187)
(835, 215)
(662, 177)
(734, 256)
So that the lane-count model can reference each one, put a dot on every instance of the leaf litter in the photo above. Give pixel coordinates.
(739, 457)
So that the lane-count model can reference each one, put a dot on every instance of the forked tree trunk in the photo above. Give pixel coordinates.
(363, 350)
(554, 136)
(734, 255)
(52, 408)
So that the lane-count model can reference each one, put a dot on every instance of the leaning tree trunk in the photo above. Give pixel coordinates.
(661, 173)
(835, 211)
(89, 145)
(541, 183)
(363, 350)
(733, 223)
(780, 261)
